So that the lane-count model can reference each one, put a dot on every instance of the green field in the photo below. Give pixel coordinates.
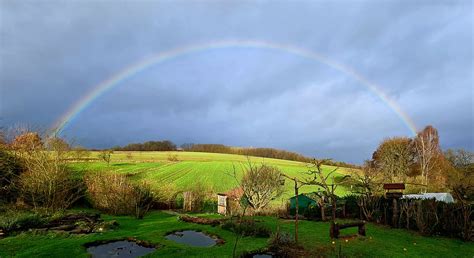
(214, 171)
(379, 242)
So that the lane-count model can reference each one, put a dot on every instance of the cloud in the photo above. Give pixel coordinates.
(420, 53)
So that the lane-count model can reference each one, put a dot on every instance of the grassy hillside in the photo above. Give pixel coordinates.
(213, 170)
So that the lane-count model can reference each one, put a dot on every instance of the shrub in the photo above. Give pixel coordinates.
(114, 194)
(352, 209)
(247, 228)
(14, 221)
(282, 244)
(370, 207)
(10, 169)
(426, 216)
(312, 212)
(47, 182)
(209, 206)
(105, 156)
(280, 239)
(195, 197)
(173, 157)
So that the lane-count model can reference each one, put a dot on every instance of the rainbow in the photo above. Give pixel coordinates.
(135, 68)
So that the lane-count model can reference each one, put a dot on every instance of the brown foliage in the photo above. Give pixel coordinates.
(47, 182)
(394, 158)
(115, 194)
(29, 141)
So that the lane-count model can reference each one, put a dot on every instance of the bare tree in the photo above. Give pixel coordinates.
(261, 184)
(321, 179)
(427, 149)
(317, 178)
(366, 181)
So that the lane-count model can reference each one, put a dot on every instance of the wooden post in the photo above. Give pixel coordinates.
(296, 212)
(334, 206)
(362, 229)
(395, 213)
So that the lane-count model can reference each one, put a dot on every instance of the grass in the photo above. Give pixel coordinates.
(212, 170)
(380, 241)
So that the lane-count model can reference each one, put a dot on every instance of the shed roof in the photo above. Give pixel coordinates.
(442, 197)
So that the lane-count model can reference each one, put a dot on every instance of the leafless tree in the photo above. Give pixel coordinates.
(321, 179)
(317, 178)
(427, 149)
(261, 184)
(365, 181)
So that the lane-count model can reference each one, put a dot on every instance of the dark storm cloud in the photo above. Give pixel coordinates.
(419, 52)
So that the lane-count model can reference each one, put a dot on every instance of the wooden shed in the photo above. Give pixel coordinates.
(228, 203)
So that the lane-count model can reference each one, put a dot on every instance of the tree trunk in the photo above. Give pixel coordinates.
(323, 212)
(296, 212)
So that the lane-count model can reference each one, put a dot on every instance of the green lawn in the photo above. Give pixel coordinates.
(213, 170)
(380, 241)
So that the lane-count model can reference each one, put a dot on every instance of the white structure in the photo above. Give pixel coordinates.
(441, 197)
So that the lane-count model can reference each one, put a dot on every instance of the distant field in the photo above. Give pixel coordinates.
(213, 170)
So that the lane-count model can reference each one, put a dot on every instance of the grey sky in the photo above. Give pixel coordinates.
(420, 52)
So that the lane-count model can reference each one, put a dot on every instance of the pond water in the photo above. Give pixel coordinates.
(262, 256)
(192, 238)
(120, 249)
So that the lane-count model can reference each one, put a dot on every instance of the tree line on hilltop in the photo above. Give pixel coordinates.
(167, 145)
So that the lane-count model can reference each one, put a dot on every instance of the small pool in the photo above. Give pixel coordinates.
(192, 238)
(262, 256)
(120, 249)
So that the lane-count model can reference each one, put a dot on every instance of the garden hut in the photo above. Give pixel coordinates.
(229, 202)
(305, 200)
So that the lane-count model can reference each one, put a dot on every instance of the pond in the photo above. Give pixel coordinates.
(120, 249)
(262, 256)
(192, 238)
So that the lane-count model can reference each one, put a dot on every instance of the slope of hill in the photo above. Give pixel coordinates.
(212, 170)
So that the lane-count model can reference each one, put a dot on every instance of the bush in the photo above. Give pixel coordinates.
(247, 228)
(47, 182)
(281, 239)
(114, 194)
(10, 169)
(352, 209)
(426, 216)
(209, 206)
(173, 157)
(282, 244)
(195, 197)
(14, 221)
(312, 212)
